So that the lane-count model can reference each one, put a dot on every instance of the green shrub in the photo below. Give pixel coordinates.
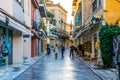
(106, 40)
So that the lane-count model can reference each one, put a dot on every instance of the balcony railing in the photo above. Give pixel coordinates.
(62, 32)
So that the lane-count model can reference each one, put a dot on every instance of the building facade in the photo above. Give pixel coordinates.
(88, 31)
(19, 30)
(12, 29)
(60, 15)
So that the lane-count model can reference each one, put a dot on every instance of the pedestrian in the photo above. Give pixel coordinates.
(75, 49)
(62, 51)
(72, 51)
(56, 51)
(80, 49)
(48, 49)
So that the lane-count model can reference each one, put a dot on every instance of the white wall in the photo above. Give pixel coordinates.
(6, 5)
(27, 45)
(13, 8)
(27, 19)
(27, 12)
(18, 11)
(17, 47)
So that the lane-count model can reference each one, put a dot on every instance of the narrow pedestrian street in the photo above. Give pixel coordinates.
(49, 68)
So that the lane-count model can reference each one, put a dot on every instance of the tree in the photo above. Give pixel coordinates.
(42, 25)
(51, 18)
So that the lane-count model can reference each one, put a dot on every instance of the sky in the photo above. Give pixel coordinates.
(67, 4)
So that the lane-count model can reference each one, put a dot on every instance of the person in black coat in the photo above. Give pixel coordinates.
(72, 48)
(62, 50)
(80, 50)
(48, 49)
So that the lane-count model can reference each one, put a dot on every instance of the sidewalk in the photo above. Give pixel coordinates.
(104, 74)
(12, 71)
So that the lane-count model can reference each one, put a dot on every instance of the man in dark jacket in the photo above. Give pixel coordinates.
(72, 51)
(62, 50)
(48, 49)
(80, 50)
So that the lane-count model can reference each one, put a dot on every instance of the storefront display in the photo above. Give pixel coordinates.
(95, 47)
(5, 46)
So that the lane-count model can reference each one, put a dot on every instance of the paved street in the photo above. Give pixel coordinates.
(49, 68)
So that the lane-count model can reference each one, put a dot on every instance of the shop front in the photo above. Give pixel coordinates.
(87, 43)
(5, 46)
(11, 39)
(95, 43)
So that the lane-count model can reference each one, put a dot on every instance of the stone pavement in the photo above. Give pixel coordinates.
(104, 74)
(12, 71)
(60, 68)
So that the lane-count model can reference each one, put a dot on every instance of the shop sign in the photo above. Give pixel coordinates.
(26, 36)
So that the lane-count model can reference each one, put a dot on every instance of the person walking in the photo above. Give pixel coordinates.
(76, 50)
(56, 51)
(80, 49)
(48, 49)
(62, 51)
(72, 51)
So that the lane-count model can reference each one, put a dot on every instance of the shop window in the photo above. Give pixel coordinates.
(5, 46)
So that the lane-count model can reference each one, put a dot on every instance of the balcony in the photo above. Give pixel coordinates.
(62, 33)
(42, 7)
(52, 34)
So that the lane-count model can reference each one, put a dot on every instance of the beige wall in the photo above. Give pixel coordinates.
(27, 18)
(17, 47)
(27, 12)
(86, 10)
(59, 14)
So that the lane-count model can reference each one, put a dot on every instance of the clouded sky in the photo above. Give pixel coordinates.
(67, 4)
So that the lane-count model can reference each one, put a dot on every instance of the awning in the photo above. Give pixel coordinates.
(12, 23)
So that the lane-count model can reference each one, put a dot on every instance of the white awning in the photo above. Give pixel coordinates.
(12, 23)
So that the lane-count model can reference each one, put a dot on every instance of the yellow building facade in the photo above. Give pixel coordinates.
(112, 11)
(106, 10)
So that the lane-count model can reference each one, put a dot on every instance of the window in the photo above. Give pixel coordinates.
(99, 2)
(94, 5)
(21, 2)
(78, 18)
